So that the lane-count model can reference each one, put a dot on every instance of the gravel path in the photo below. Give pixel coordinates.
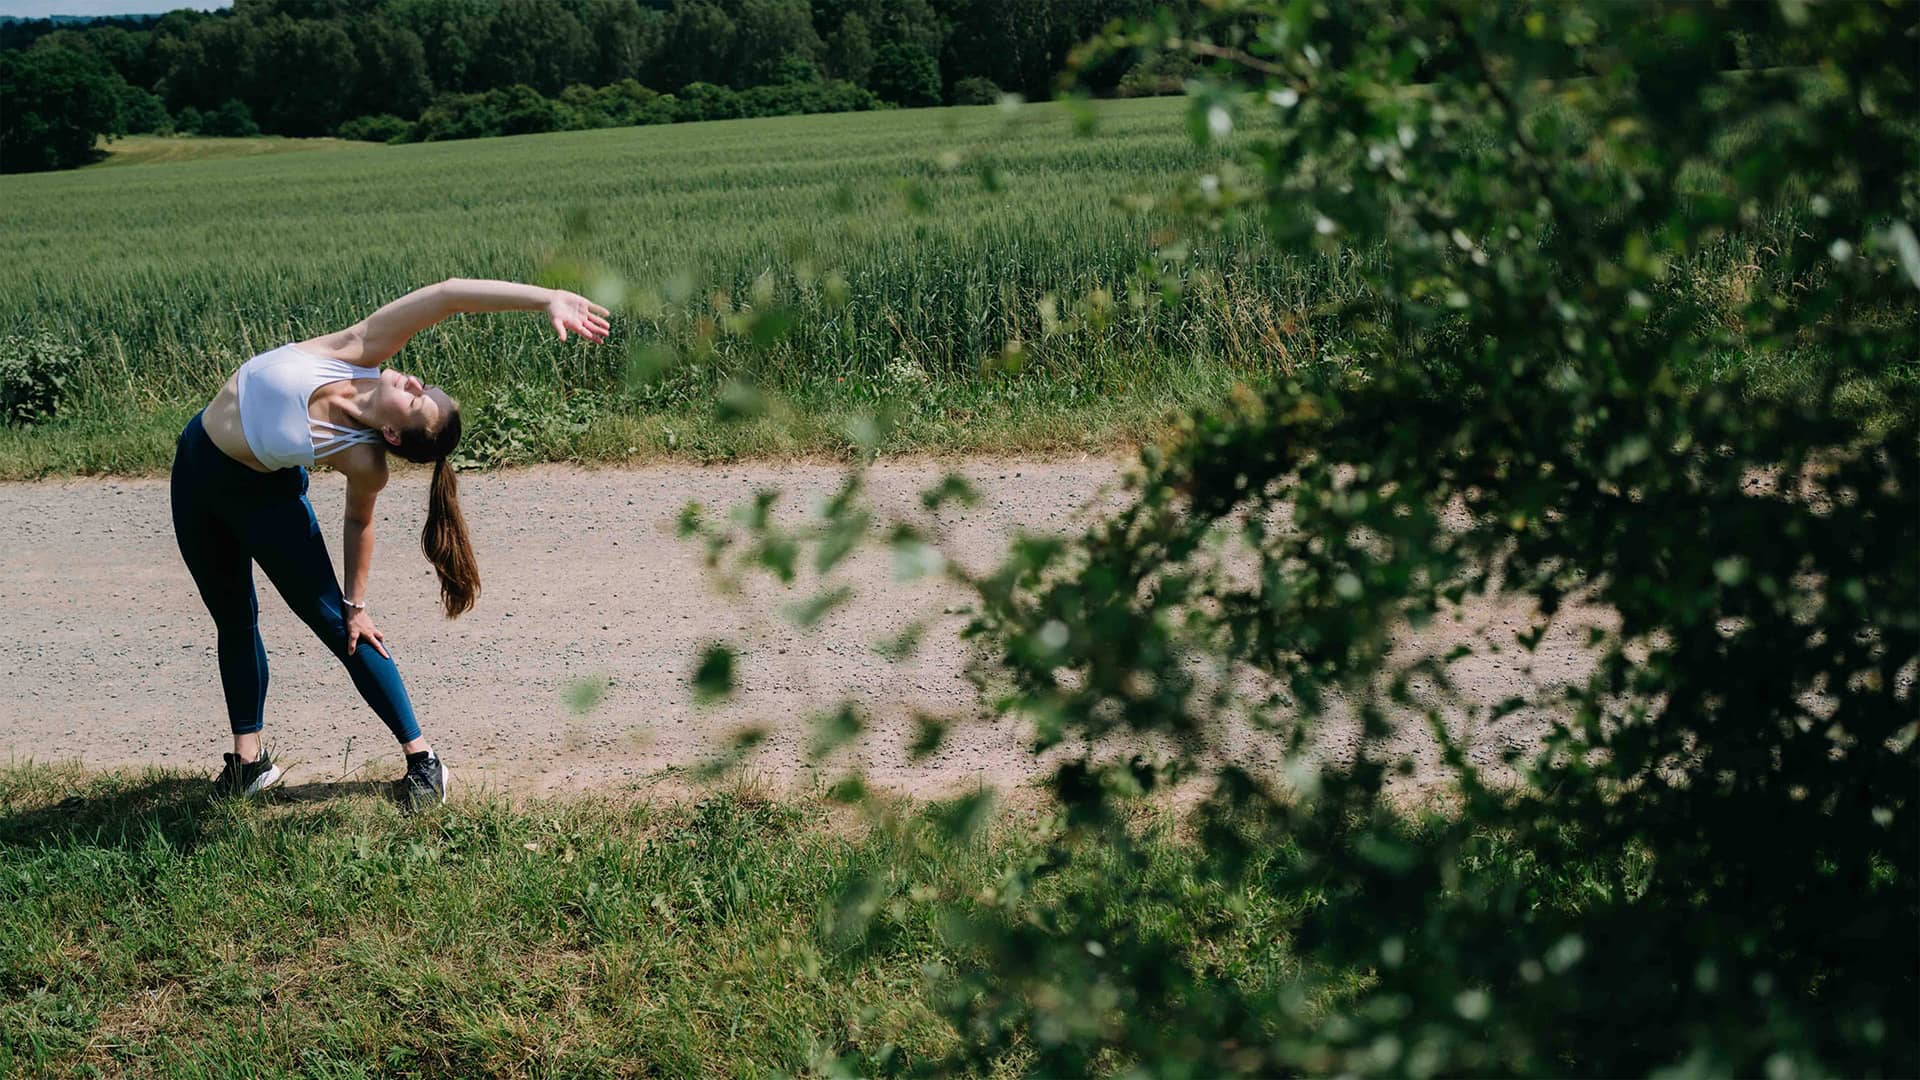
(110, 654)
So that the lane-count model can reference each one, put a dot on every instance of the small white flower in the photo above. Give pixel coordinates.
(1285, 97)
(1219, 121)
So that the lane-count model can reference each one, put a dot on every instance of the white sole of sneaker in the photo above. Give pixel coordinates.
(265, 780)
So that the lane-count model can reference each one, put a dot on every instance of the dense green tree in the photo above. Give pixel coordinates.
(698, 45)
(536, 43)
(906, 75)
(451, 32)
(302, 67)
(523, 111)
(788, 99)
(622, 104)
(766, 34)
(976, 90)
(232, 120)
(142, 112)
(314, 101)
(205, 60)
(54, 104)
(906, 22)
(849, 50)
(394, 74)
(628, 37)
(125, 51)
(876, 24)
(707, 101)
(1011, 42)
(383, 128)
(25, 33)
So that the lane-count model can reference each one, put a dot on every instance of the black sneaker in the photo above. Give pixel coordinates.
(424, 785)
(246, 777)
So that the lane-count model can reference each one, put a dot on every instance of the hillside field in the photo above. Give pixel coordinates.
(905, 250)
(158, 149)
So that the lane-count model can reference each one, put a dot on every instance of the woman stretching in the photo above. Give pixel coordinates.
(240, 496)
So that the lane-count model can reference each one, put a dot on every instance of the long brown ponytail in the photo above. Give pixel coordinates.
(444, 539)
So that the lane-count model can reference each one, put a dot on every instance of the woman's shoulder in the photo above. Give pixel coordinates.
(364, 465)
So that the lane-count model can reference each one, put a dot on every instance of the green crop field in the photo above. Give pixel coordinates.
(903, 250)
(980, 279)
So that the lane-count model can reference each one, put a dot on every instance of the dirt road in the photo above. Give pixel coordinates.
(109, 653)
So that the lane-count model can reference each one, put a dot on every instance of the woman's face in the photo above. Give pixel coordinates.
(405, 403)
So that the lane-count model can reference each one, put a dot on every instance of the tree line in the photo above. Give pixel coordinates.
(396, 69)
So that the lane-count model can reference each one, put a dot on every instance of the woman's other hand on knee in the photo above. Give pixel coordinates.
(360, 628)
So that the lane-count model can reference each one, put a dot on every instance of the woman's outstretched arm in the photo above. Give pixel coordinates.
(378, 336)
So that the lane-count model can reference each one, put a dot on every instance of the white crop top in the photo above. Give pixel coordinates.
(275, 389)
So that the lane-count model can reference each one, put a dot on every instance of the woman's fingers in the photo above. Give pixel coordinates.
(372, 637)
(580, 315)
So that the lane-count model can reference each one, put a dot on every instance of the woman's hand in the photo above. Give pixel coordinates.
(571, 311)
(360, 625)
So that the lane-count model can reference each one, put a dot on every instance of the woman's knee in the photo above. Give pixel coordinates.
(332, 632)
(240, 621)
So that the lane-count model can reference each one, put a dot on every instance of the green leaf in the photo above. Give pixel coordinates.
(963, 818)
(952, 487)
(928, 733)
(833, 730)
(713, 678)
(740, 401)
(807, 612)
(771, 325)
(902, 645)
(584, 694)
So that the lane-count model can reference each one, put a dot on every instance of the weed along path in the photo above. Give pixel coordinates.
(574, 670)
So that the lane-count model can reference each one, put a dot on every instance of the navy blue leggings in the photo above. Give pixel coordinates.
(226, 517)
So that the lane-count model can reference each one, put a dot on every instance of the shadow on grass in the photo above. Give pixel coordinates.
(175, 808)
(180, 811)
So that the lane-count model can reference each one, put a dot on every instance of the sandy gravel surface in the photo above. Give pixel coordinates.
(108, 653)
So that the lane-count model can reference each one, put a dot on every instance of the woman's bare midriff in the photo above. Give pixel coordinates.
(221, 418)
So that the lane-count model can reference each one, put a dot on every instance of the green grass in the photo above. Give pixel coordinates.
(159, 149)
(906, 250)
(152, 932)
(903, 268)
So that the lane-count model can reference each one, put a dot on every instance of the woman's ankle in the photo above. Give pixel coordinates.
(247, 745)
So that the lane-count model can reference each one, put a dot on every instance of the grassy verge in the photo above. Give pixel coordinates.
(151, 932)
(525, 422)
